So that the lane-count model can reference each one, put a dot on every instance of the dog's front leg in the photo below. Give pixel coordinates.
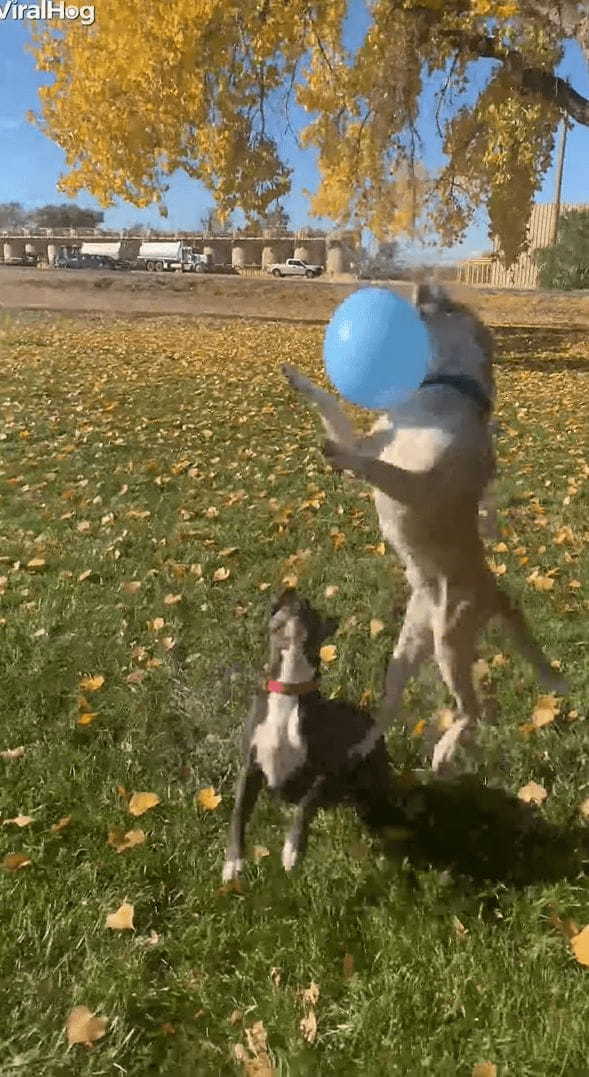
(337, 426)
(248, 787)
(296, 839)
(408, 487)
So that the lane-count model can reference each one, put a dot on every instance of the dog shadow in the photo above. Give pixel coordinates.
(486, 835)
(542, 349)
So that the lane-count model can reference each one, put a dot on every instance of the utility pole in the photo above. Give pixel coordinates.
(558, 179)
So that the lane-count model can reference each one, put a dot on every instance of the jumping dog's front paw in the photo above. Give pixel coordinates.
(232, 869)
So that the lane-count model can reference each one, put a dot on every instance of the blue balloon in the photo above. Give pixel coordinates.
(376, 348)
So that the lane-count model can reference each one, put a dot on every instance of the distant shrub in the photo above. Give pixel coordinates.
(566, 265)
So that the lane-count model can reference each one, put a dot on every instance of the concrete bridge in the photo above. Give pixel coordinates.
(336, 253)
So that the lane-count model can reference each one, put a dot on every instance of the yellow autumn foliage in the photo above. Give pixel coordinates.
(193, 84)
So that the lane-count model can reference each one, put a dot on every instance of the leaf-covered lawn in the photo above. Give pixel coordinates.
(158, 480)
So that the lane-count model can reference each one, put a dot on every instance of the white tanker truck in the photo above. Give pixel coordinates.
(171, 256)
(133, 254)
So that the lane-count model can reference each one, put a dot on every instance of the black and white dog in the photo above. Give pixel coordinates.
(299, 743)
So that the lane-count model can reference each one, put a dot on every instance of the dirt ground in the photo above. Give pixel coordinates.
(157, 294)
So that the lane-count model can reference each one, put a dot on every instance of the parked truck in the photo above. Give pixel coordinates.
(171, 255)
(118, 255)
(133, 254)
(294, 267)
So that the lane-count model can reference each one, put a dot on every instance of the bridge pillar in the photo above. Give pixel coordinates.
(269, 256)
(238, 256)
(335, 259)
(38, 247)
(219, 249)
(51, 253)
(14, 249)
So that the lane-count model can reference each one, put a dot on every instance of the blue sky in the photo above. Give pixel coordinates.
(31, 163)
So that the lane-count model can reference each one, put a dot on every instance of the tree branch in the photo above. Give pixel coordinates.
(532, 80)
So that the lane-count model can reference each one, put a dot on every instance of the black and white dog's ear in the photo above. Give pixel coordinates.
(429, 298)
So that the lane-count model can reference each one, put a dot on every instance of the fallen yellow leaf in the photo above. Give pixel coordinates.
(87, 719)
(36, 563)
(331, 590)
(83, 1027)
(14, 861)
(122, 919)
(580, 946)
(541, 583)
(207, 799)
(484, 1069)
(418, 728)
(19, 820)
(328, 653)
(61, 824)
(172, 600)
(584, 808)
(92, 684)
(221, 574)
(260, 851)
(532, 793)
(376, 626)
(13, 753)
(310, 995)
(545, 711)
(308, 1026)
(459, 929)
(142, 802)
(257, 1041)
(122, 841)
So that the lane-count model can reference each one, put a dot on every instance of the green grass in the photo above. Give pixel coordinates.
(105, 420)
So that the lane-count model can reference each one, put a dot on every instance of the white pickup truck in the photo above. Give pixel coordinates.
(294, 267)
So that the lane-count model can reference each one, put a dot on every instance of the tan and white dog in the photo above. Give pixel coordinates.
(430, 462)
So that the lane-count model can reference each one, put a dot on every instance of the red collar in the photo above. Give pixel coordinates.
(301, 689)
